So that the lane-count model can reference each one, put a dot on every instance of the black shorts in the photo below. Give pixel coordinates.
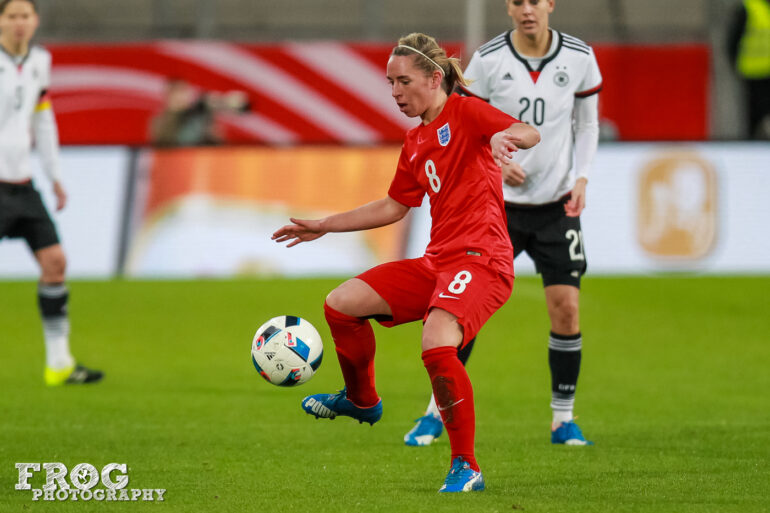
(553, 241)
(23, 215)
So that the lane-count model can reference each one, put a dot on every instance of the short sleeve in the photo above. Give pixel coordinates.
(486, 119)
(479, 84)
(592, 80)
(405, 188)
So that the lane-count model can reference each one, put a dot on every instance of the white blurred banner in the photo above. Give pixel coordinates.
(90, 226)
(209, 212)
(670, 207)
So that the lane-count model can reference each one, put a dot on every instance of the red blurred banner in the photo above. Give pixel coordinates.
(656, 92)
(332, 92)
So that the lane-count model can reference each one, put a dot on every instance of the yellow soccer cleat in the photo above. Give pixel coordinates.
(75, 375)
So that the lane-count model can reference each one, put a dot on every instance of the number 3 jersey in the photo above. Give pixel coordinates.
(450, 159)
(24, 109)
(541, 92)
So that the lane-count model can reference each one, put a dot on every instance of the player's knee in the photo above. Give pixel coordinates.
(566, 316)
(345, 300)
(54, 267)
(337, 300)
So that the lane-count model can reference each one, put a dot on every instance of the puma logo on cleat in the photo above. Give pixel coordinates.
(318, 409)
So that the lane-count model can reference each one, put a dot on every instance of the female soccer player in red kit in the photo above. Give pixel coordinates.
(466, 273)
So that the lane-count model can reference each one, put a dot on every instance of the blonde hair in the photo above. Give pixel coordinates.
(429, 57)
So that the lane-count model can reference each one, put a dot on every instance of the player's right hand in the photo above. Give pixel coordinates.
(303, 230)
(513, 174)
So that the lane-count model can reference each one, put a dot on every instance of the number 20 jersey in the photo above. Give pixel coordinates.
(450, 159)
(544, 97)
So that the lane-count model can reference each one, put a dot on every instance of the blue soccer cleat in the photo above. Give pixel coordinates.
(428, 428)
(462, 478)
(329, 406)
(568, 433)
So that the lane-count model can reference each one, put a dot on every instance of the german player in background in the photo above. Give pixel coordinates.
(466, 273)
(549, 80)
(25, 112)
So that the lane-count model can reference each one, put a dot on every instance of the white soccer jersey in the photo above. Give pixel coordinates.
(541, 92)
(23, 85)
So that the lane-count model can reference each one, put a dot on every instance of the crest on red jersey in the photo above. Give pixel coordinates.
(444, 134)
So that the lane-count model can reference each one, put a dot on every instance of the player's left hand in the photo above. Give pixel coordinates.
(503, 146)
(577, 202)
(61, 195)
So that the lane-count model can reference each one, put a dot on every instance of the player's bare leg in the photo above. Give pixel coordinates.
(564, 355)
(53, 297)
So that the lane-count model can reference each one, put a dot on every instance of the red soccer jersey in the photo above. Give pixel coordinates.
(451, 160)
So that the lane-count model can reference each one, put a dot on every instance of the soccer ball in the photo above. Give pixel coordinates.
(287, 350)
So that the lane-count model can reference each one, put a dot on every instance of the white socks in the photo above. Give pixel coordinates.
(432, 408)
(57, 345)
(560, 416)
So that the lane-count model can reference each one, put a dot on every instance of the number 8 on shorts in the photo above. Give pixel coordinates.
(461, 279)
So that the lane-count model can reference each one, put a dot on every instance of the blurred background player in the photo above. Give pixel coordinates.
(189, 117)
(749, 50)
(466, 273)
(549, 80)
(25, 110)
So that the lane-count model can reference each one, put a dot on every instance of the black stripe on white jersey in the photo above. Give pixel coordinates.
(577, 42)
(493, 41)
(492, 46)
(492, 49)
(576, 48)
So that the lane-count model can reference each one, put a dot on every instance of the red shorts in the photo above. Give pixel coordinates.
(469, 288)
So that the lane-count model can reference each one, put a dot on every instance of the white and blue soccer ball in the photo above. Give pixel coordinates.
(287, 350)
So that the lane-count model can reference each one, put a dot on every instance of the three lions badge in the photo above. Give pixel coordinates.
(444, 134)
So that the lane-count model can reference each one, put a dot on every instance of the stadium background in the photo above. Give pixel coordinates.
(676, 201)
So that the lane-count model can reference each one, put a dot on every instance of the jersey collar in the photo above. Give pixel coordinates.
(13, 58)
(525, 62)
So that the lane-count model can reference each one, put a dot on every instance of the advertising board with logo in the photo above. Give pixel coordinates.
(651, 207)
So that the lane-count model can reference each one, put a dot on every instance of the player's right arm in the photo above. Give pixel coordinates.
(378, 213)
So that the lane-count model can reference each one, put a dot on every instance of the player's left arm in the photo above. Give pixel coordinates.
(46, 137)
(585, 125)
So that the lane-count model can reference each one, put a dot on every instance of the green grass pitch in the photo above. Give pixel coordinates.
(674, 391)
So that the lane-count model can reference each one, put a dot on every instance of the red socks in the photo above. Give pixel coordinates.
(354, 341)
(454, 397)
